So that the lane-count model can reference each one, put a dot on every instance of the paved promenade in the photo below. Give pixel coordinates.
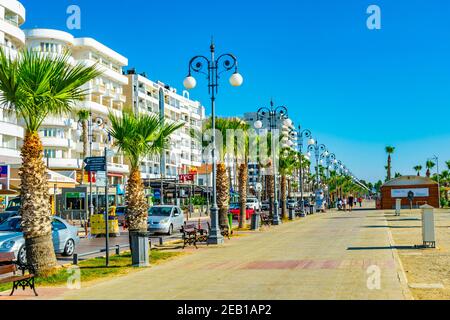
(324, 256)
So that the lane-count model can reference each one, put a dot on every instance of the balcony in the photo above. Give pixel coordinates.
(66, 164)
(11, 129)
(118, 168)
(58, 122)
(98, 89)
(55, 142)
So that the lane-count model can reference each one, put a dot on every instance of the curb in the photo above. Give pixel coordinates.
(401, 274)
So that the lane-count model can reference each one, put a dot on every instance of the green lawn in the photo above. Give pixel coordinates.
(95, 269)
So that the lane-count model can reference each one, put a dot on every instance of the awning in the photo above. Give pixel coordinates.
(9, 193)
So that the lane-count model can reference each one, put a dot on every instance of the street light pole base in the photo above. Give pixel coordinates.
(276, 217)
(215, 236)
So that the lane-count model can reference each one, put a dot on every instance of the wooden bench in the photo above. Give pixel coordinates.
(265, 220)
(189, 235)
(8, 265)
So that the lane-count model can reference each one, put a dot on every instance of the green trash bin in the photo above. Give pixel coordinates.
(230, 220)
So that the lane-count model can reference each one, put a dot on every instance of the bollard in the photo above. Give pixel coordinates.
(75, 258)
(398, 206)
(117, 249)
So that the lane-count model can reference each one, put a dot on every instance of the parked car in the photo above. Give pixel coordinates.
(265, 206)
(235, 210)
(65, 237)
(7, 214)
(165, 219)
(291, 204)
(253, 203)
(120, 214)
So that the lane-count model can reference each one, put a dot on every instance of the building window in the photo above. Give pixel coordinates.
(50, 153)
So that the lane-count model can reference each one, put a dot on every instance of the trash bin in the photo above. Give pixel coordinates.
(291, 213)
(428, 234)
(140, 249)
(230, 220)
(255, 221)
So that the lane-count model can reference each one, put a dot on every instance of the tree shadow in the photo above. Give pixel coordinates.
(383, 248)
(393, 227)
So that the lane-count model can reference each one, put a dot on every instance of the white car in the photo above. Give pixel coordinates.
(253, 203)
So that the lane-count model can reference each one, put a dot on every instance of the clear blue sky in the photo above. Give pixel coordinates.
(356, 89)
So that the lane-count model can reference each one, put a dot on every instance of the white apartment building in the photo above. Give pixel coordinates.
(12, 38)
(185, 153)
(61, 136)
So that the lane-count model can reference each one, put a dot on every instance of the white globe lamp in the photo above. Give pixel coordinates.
(236, 79)
(189, 82)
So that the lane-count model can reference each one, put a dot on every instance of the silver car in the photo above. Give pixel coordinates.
(165, 219)
(65, 237)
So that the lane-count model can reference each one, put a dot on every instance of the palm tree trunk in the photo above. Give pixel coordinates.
(243, 178)
(35, 209)
(271, 193)
(389, 168)
(137, 210)
(283, 197)
(223, 194)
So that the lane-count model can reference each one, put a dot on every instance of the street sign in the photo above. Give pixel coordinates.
(157, 194)
(95, 164)
(100, 179)
(259, 186)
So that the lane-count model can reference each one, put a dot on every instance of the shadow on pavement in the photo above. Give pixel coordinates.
(406, 219)
(382, 248)
(393, 227)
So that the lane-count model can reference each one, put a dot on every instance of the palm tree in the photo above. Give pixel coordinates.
(429, 165)
(34, 86)
(222, 180)
(445, 180)
(138, 136)
(241, 153)
(83, 117)
(389, 150)
(418, 168)
(288, 163)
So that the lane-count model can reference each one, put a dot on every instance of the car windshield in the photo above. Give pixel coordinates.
(13, 208)
(120, 211)
(160, 211)
(12, 225)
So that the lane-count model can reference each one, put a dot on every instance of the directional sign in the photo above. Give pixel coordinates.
(101, 179)
(95, 164)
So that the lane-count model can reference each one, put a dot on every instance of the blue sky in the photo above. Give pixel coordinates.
(356, 89)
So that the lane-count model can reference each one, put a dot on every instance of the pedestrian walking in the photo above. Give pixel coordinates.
(350, 202)
(344, 203)
(360, 200)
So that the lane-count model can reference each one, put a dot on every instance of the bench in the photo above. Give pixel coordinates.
(265, 220)
(189, 235)
(8, 265)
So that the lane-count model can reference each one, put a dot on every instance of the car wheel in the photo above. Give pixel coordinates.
(169, 233)
(69, 248)
(22, 255)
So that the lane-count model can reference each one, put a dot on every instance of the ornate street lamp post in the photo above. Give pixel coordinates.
(213, 68)
(302, 134)
(272, 114)
(318, 149)
(329, 160)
